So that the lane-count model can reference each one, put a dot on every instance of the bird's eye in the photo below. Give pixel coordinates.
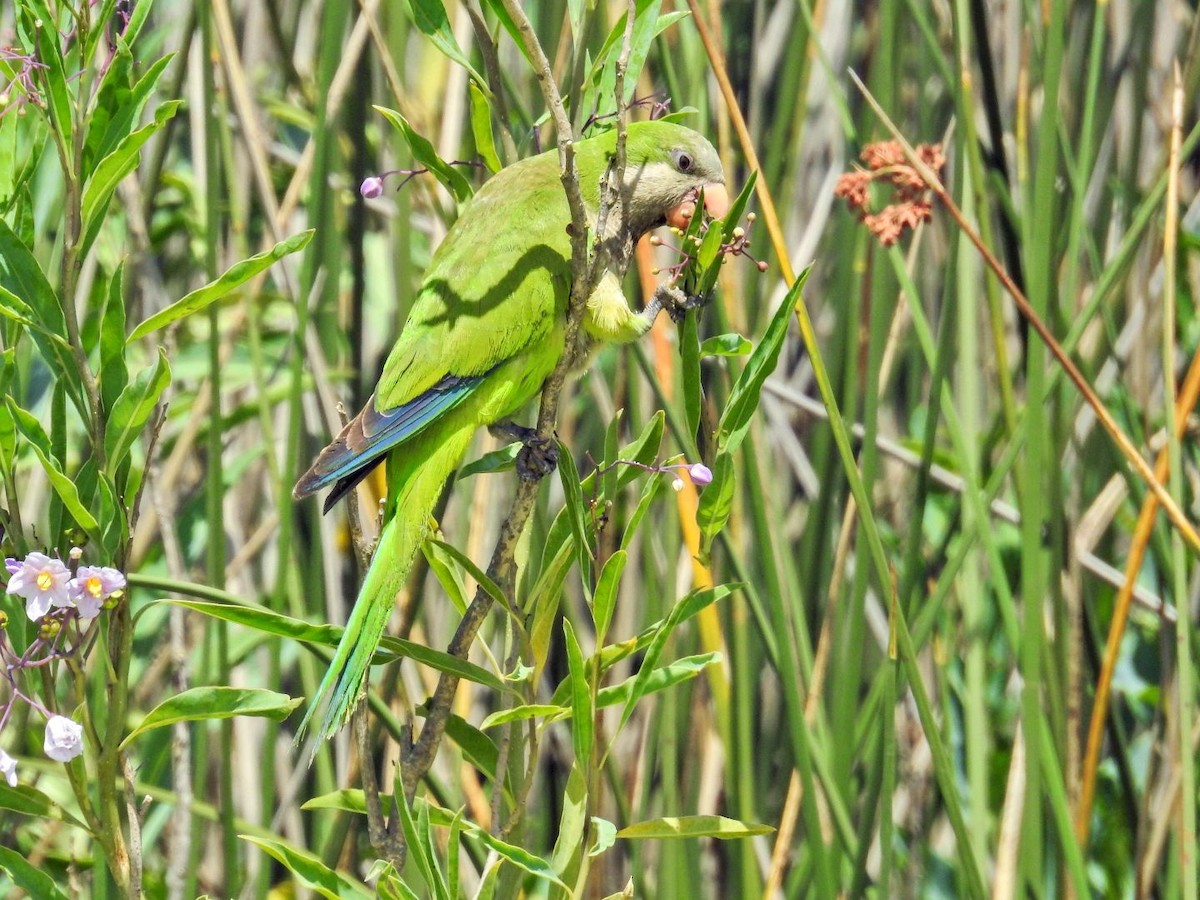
(683, 161)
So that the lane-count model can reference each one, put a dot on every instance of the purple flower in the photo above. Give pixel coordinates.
(8, 768)
(64, 739)
(700, 473)
(91, 586)
(42, 581)
(13, 565)
(371, 187)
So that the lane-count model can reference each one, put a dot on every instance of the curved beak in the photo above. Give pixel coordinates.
(716, 204)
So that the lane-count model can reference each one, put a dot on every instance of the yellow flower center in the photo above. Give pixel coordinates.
(45, 580)
(93, 586)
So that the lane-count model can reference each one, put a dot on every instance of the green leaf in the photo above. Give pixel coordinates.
(63, 486)
(116, 165)
(519, 857)
(716, 501)
(430, 17)
(310, 871)
(42, 31)
(660, 679)
(571, 824)
(114, 373)
(543, 600)
(132, 410)
(22, 277)
(583, 724)
(28, 877)
(123, 103)
(606, 835)
(215, 702)
(547, 711)
(234, 277)
(731, 344)
(575, 510)
(679, 613)
(478, 749)
(481, 128)
(8, 159)
(605, 599)
(501, 13)
(644, 448)
(352, 801)
(447, 574)
(390, 648)
(743, 399)
(490, 587)
(422, 150)
(651, 490)
(689, 606)
(502, 460)
(692, 827)
(29, 801)
(418, 840)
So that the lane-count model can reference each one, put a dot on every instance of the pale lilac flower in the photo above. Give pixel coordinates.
(91, 586)
(42, 581)
(8, 768)
(13, 565)
(371, 187)
(700, 473)
(64, 739)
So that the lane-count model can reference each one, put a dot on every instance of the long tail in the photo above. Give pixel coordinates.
(417, 478)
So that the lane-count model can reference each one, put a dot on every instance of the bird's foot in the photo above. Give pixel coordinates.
(537, 457)
(677, 303)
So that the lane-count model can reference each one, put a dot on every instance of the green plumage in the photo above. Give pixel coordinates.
(485, 331)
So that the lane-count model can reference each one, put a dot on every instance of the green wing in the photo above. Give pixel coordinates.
(493, 289)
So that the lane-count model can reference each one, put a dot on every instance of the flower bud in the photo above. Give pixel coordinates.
(700, 474)
(49, 629)
(371, 187)
(64, 739)
(677, 484)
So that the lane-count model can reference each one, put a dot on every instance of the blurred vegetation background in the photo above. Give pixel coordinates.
(979, 682)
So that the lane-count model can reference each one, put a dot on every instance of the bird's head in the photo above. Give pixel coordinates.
(667, 168)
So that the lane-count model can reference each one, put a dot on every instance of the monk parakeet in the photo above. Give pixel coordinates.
(485, 331)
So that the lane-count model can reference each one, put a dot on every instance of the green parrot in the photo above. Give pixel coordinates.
(486, 329)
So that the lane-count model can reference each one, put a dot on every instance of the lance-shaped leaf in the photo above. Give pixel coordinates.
(743, 399)
(28, 877)
(310, 871)
(451, 178)
(430, 17)
(390, 648)
(132, 410)
(115, 166)
(481, 128)
(235, 276)
(63, 486)
(28, 295)
(692, 827)
(215, 702)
